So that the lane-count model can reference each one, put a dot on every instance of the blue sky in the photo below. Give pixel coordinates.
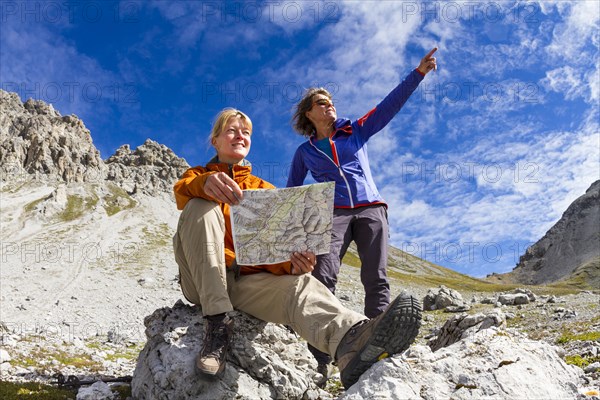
(484, 158)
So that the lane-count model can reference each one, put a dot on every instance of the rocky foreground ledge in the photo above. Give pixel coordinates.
(266, 361)
(481, 359)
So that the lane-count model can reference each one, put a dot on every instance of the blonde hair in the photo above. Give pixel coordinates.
(300, 121)
(223, 117)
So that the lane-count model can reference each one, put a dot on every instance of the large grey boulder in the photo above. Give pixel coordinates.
(513, 299)
(461, 326)
(488, 364)
(266, 361)
(444, 298)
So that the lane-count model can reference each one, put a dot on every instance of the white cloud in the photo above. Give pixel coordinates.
(580, 27)
(37, 62)
(292, 16)
(566, 80)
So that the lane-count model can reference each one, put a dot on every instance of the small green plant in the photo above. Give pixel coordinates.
(334, 387)
(33, 390)
(34, 358)
(117, 200)
(77, 206)
(567, 337)
(29, 207)
(161, 236)
(581, 362)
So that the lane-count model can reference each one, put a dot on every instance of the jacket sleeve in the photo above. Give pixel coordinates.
(376, 119)
(191, 185)
(298, 170)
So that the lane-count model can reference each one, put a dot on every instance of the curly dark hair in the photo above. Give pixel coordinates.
(300, 122)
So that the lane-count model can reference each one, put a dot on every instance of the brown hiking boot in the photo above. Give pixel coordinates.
(372, 340)
(211, 360)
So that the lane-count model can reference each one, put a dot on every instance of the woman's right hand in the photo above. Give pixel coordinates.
(223, 189)
(428, 62)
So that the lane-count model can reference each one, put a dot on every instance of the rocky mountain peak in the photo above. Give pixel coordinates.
(36, 139)
(38, 107)
(150, 153)
(151, 168)
(573, 242)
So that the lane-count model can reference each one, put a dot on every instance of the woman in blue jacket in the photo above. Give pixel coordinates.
(336, 150)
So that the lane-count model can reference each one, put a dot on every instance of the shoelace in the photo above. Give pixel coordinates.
(216, 340)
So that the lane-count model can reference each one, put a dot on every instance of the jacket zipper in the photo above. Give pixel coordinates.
(339, 167)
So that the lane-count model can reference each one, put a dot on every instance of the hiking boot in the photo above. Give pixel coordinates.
(325, 369)
(372, 340)
(211, 360)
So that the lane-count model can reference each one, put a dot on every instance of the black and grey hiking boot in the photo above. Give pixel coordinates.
(211, 360)
(372, 340)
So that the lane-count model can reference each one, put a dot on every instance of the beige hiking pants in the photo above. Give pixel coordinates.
(299, 301)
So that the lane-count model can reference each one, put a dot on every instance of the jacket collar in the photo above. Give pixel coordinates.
(238, 172)
(342, 124)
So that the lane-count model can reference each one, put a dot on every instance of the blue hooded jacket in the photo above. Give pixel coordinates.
(349, 168)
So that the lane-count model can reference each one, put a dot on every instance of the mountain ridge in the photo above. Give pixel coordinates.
(569, 252)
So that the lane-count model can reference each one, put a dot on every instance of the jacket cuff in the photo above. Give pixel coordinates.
(420, 73)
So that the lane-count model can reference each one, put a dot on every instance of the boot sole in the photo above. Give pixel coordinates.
(393, 334)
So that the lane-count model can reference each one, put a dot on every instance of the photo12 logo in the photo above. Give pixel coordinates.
(253, 92)
(89, 92)
(452, 172)
(486, 11)
(55, 12)
(472, 91)
(288, 12)
(59, 253)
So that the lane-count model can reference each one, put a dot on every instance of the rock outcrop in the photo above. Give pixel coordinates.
(150, 169)
(444, 299)
(461, 326)
(266, 361)
(488, 364)
(574, 241)
(36, 139)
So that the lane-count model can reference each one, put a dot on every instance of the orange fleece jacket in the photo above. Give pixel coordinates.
(191, 185)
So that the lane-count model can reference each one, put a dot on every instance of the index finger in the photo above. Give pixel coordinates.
(431, 52)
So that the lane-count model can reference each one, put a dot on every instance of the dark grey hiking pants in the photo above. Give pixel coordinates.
(368, 228)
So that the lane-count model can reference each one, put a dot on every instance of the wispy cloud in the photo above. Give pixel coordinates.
(38, 62)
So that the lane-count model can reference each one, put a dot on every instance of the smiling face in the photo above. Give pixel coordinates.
(233, 142)
(322, 111)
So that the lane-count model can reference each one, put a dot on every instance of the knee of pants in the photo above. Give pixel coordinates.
(198, 208)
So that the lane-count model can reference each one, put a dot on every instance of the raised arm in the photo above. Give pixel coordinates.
(376, 119)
